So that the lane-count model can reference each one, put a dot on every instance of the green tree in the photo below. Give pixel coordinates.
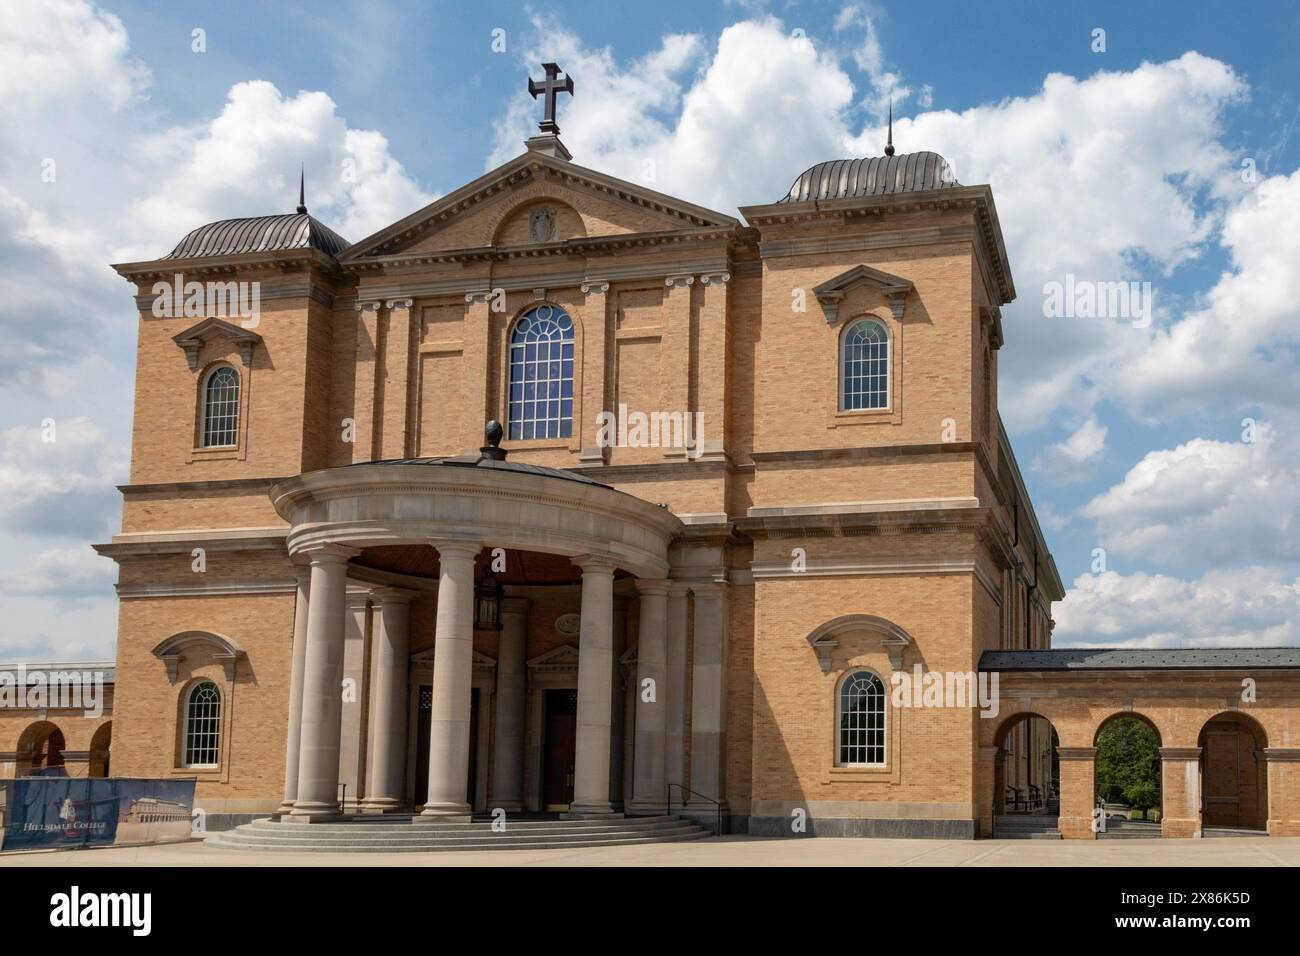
(1128, 764)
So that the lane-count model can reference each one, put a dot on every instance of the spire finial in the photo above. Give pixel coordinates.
(302, 190)
(889, 146)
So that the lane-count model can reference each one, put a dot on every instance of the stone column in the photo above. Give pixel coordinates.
(709, 698)
(386, 767)
(1180, 791)
(453, 667)
(297, 662)
(508, 753)
(674, 696)
(648, 783)
(1078, 788)
(322, 698)
(356, 688)
(595, 675)
(989, 779)
(596, 354)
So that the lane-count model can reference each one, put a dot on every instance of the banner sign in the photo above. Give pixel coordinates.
(51, 812)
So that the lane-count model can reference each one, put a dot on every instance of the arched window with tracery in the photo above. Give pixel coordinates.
(861, 723)
(540, 399)
(220, 419)
(864, 366)
(202, 725)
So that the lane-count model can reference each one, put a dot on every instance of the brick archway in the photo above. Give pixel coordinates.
(1234, 773)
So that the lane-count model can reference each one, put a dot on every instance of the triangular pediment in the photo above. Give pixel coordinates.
(895, 289)
(478, 216)
(564, 657)
(196, 336)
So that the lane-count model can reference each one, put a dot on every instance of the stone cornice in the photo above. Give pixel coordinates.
(979, 199)
(579, 247)
(288, 261)
(228, 484)
(183, 542)
(529, 167)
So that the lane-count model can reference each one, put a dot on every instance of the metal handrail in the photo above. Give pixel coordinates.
(695, 793)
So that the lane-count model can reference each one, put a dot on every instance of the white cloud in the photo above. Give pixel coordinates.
(67, 573)
(1248, 607)
(1238, 346)
(1206, 501)
(1068, 461)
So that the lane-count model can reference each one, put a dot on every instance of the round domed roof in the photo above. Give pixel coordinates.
(875, 176)
(260, 234)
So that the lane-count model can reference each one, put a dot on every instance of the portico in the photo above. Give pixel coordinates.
(451, 516)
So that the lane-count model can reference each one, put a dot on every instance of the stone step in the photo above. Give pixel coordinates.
(366, 847)
(1026, 835)
(404, 825)
(421, 836)
(1221, 832)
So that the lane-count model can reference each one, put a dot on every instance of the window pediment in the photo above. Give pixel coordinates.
(200, 643)
(895, 290)
(196, 336)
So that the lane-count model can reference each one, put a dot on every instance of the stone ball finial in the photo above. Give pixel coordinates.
(493, 433)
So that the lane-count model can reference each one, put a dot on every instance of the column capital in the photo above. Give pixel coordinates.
(1076, 753)
(710, 588)
(399, 304)
(327, 553)
(595, 563)
(479, 297)
(679, 588)
(454, 548)
(367, 305)
(1180, 753)
(653, 585)
(715, 278)
(594, 287)
(679, 281)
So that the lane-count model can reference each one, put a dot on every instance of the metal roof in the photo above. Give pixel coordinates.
(852, 178)
(107, 669)
(1171, 658)
(259, 234)
(482, 461)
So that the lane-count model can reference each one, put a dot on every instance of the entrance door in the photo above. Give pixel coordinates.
(1222, 771)
(560, 745)
(423, 720)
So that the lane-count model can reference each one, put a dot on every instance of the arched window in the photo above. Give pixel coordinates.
(221, 408)
(202, 725)
(864, 366)
(861, 721)
(541, 375)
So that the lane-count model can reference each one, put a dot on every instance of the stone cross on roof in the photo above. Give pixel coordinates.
(550, 86)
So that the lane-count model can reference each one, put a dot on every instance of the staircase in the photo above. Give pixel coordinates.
(1119, 828)
(1219, 832)
(1025, 826)
(397, 834)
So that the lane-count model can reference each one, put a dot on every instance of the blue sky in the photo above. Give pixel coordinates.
(1119, 165)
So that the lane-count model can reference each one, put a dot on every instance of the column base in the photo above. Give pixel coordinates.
(590, 811)
(380, 805)
(315, 813)
(647, 808)
(445, 813)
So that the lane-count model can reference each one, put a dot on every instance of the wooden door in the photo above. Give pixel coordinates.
(560, 743)
(1221, 778)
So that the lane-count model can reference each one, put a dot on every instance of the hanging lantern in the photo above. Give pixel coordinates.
(487, 604)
